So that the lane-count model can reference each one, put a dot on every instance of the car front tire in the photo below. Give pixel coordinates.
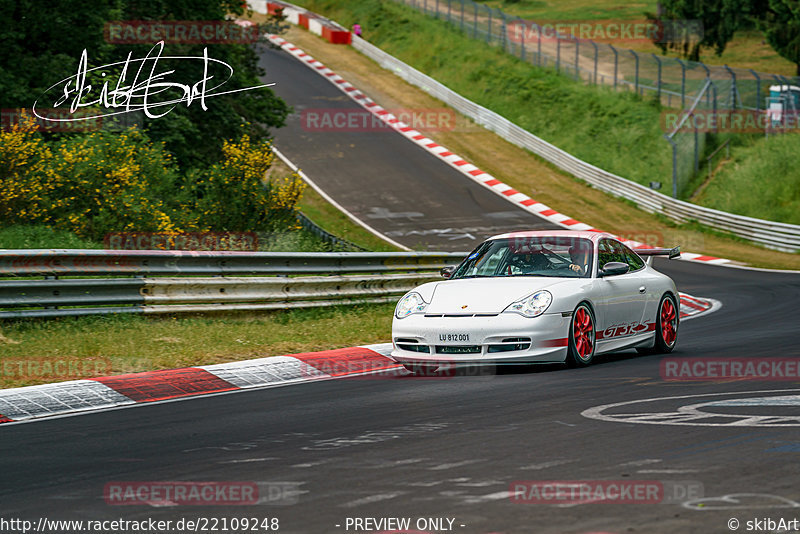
(582, 338)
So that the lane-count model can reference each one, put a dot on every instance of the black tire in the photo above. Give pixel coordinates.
(581, 347)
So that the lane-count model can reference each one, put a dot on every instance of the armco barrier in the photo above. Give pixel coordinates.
(383, 277)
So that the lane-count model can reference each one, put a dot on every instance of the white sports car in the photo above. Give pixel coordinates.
(547, 296)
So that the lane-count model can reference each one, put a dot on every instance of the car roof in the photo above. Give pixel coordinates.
(593, 235)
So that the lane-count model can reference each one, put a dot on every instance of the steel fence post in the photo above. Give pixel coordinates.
(733, 86)
(616, 63)
(489, 32)
(658, 84)
(758, 89)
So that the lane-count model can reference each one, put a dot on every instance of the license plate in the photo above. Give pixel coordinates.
(454, 337)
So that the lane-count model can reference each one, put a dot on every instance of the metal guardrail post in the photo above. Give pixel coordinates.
(683, 82)
(577, 58)
(595, 61)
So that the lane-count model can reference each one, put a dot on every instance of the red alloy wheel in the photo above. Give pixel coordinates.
(669, 322)
(583, 333)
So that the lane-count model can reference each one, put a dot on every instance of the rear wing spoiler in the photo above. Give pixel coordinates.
(648, 253)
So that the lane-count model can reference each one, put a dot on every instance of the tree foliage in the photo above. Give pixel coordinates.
(40, 44)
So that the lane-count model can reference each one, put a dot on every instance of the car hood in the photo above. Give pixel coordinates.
(488, 295)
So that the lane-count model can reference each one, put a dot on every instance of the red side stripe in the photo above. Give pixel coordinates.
(528, 202)
(418, 137)
(492, 182)
(169, 384)
(4, 419)
(445, 154)
(705, 258)
(569, 222)
(343, 362)
(475, 172)
(460, 162)
(547, 213)
(509, 192)
(562, 342)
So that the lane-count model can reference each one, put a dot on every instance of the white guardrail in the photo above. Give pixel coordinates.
(88, 282)
(774, 235)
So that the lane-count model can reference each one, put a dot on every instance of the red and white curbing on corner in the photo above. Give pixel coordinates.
(33, 403)
(454, 160)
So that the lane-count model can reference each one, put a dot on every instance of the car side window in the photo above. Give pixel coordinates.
(633, 259)
(610, 251)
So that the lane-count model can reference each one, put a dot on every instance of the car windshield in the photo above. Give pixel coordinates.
(529, 256)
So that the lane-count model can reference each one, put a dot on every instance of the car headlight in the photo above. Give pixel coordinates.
(411, 303)
(532, 305)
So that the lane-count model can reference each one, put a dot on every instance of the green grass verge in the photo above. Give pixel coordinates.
(35, 236)
(760, 180)
(132, 343)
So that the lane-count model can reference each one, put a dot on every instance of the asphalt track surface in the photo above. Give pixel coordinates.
(382, 178)
(452, 446)
(446, 447)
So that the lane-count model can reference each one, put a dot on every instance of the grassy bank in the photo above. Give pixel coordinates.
(760, 180)
(123, 344)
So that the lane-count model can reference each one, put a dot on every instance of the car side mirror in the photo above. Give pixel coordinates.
(614, 268)
(447, 272)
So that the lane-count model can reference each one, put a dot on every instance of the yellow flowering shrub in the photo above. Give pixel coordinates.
(102, 182)
(233, 195)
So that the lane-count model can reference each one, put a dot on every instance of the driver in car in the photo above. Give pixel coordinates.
(529, 262)
(580, 259)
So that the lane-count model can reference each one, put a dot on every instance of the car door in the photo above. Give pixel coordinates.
(624, 295)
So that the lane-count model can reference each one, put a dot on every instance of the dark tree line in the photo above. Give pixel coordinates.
(41, 43)
(720, 19)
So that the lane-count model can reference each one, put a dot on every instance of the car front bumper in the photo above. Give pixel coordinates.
(503, 338)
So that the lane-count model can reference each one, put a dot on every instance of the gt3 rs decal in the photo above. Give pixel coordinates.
(624, 330)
